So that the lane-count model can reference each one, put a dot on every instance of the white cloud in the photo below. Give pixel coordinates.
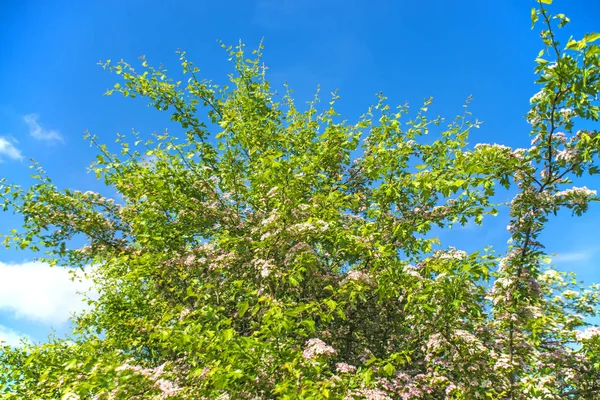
(573, 256)
(8, 150)
(37, 131)
(8, 337)
(37, 292)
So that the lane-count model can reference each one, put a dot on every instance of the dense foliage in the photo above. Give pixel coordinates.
(275, 252)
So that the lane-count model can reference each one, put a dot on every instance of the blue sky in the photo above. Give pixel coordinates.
(51, 90)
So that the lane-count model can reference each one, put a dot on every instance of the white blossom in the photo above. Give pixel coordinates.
(265, 267)
(492, 146)
(577, 195)
(450, 254)
(412, 271)
(358, 276)
(536, 97)
(568, 155)
(567, 112)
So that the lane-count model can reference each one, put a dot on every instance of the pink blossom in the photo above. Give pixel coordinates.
(316, 347)
(344, 368)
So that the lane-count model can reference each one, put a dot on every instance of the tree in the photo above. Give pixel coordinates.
(280, 253)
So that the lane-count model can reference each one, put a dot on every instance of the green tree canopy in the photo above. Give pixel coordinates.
(280, 252)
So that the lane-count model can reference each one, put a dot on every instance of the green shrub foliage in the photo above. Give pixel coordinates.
(278, 252)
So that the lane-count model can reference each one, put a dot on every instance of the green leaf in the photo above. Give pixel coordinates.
(389, 369)
(242, 308)
(228, 334)
(591, 37)
(534, 17)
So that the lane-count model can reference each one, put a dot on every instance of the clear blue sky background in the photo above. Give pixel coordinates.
(51, 87)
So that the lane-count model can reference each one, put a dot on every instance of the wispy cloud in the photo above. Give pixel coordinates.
(34, 291)
(8, 150)
(8, 337)
(573, 256)
(39, 132)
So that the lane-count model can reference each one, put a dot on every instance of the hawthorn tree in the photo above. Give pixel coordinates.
(275, 252)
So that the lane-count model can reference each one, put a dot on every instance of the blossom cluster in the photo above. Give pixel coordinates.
(316, 347)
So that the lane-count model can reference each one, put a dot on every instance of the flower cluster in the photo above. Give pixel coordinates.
(316, 347)
(166, 387)
(577, 195)
(344, 368)
(264, 267)
(450, 254)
